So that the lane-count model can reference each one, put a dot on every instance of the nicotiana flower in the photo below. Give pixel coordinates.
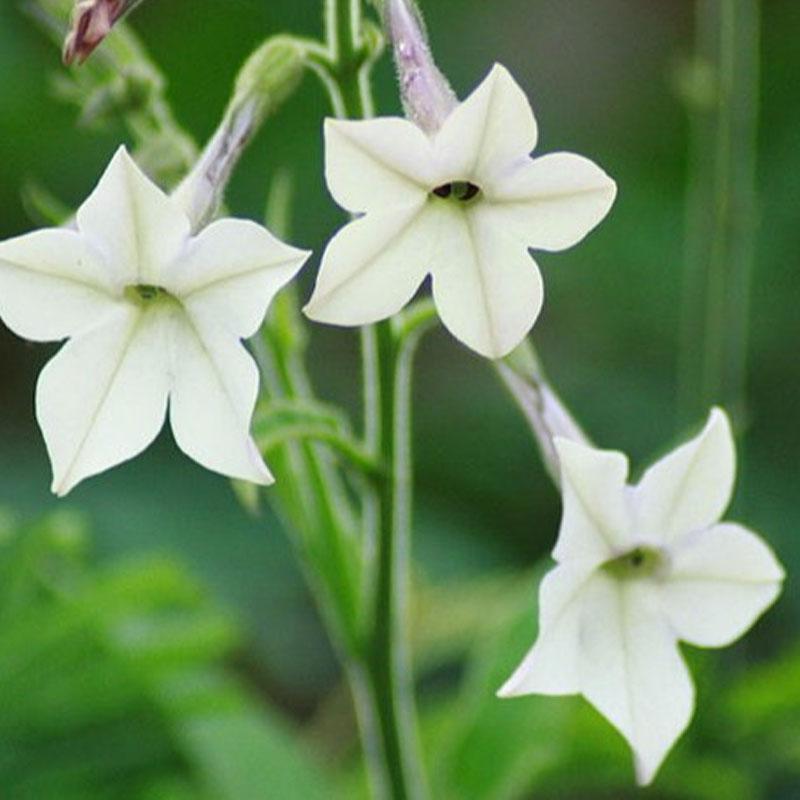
(463, 204)
(154, 317)
(638, 569)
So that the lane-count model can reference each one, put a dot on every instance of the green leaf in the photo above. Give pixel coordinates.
(244, 756)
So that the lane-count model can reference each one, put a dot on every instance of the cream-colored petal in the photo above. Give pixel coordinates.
(690, 488)
(375, 265)
(720, 582)
(230, 273)
(103, 398)
(492, 128)
(487, 288)
(550, 203)
(596, 523)
(632, 671)
(52, 285)
(136, 228)
(552, 664)
(377, 163)
(214, 391)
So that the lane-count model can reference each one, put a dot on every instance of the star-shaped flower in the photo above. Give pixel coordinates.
(639, 568)
(154, 318)
(463, 204)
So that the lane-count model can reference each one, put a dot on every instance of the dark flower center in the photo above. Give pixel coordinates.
(463, 191)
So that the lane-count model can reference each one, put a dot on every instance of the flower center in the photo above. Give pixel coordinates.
(461, 191)
(145, 294)
(641, 562)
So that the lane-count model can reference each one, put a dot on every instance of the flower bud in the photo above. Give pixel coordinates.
(92, 21)
(427, 96)
(267, 78)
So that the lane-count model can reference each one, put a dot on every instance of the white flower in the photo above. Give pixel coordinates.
(639, 568)
(154, 318)
(463, 205)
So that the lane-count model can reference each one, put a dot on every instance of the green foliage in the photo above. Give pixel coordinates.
(113, 683)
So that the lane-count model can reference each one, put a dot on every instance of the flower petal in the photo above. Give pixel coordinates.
(550, 203)
(230, 273)
(596, 524)
(53, 270)
(552, 664)
(632, 670)
(103, 398)
(214, 390)
(132, 223)
(493, 127)
(376, 163)
(487, 289)
(690, 488)
(374, 265)
(721, 580)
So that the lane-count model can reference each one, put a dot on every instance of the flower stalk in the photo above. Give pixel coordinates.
(387, 712)
(544, 411)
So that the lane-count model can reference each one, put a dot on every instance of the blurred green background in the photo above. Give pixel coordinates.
(160, 538)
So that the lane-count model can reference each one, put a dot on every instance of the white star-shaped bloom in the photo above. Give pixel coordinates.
(638, 569)
(464, 205)
(155, 317)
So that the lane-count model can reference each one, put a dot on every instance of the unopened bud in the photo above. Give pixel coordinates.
(92, 21)
(270, 74)
(427, 96)
(268, 77)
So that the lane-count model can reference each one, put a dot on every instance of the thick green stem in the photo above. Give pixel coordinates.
(389, 658)
(722, 208)
(385, 687)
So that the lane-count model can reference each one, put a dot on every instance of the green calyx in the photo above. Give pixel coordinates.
(641, 562)
(270, 74)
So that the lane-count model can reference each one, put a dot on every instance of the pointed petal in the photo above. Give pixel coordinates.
(214, 390)
(374, 265)
(493, 127)
(103, 398)
(721, 580)
(231, 271)
(550, 203)
(376, 163)
(552, 665)
(632, 670)
(690, 488)
(51, 285)
(596, 524)
(132, 223)
(487, 289)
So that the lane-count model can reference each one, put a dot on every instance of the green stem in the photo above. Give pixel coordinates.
(385, 687)
(389, 659)
(722, 208)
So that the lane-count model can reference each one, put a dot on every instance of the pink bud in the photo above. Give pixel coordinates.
(92, 21)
